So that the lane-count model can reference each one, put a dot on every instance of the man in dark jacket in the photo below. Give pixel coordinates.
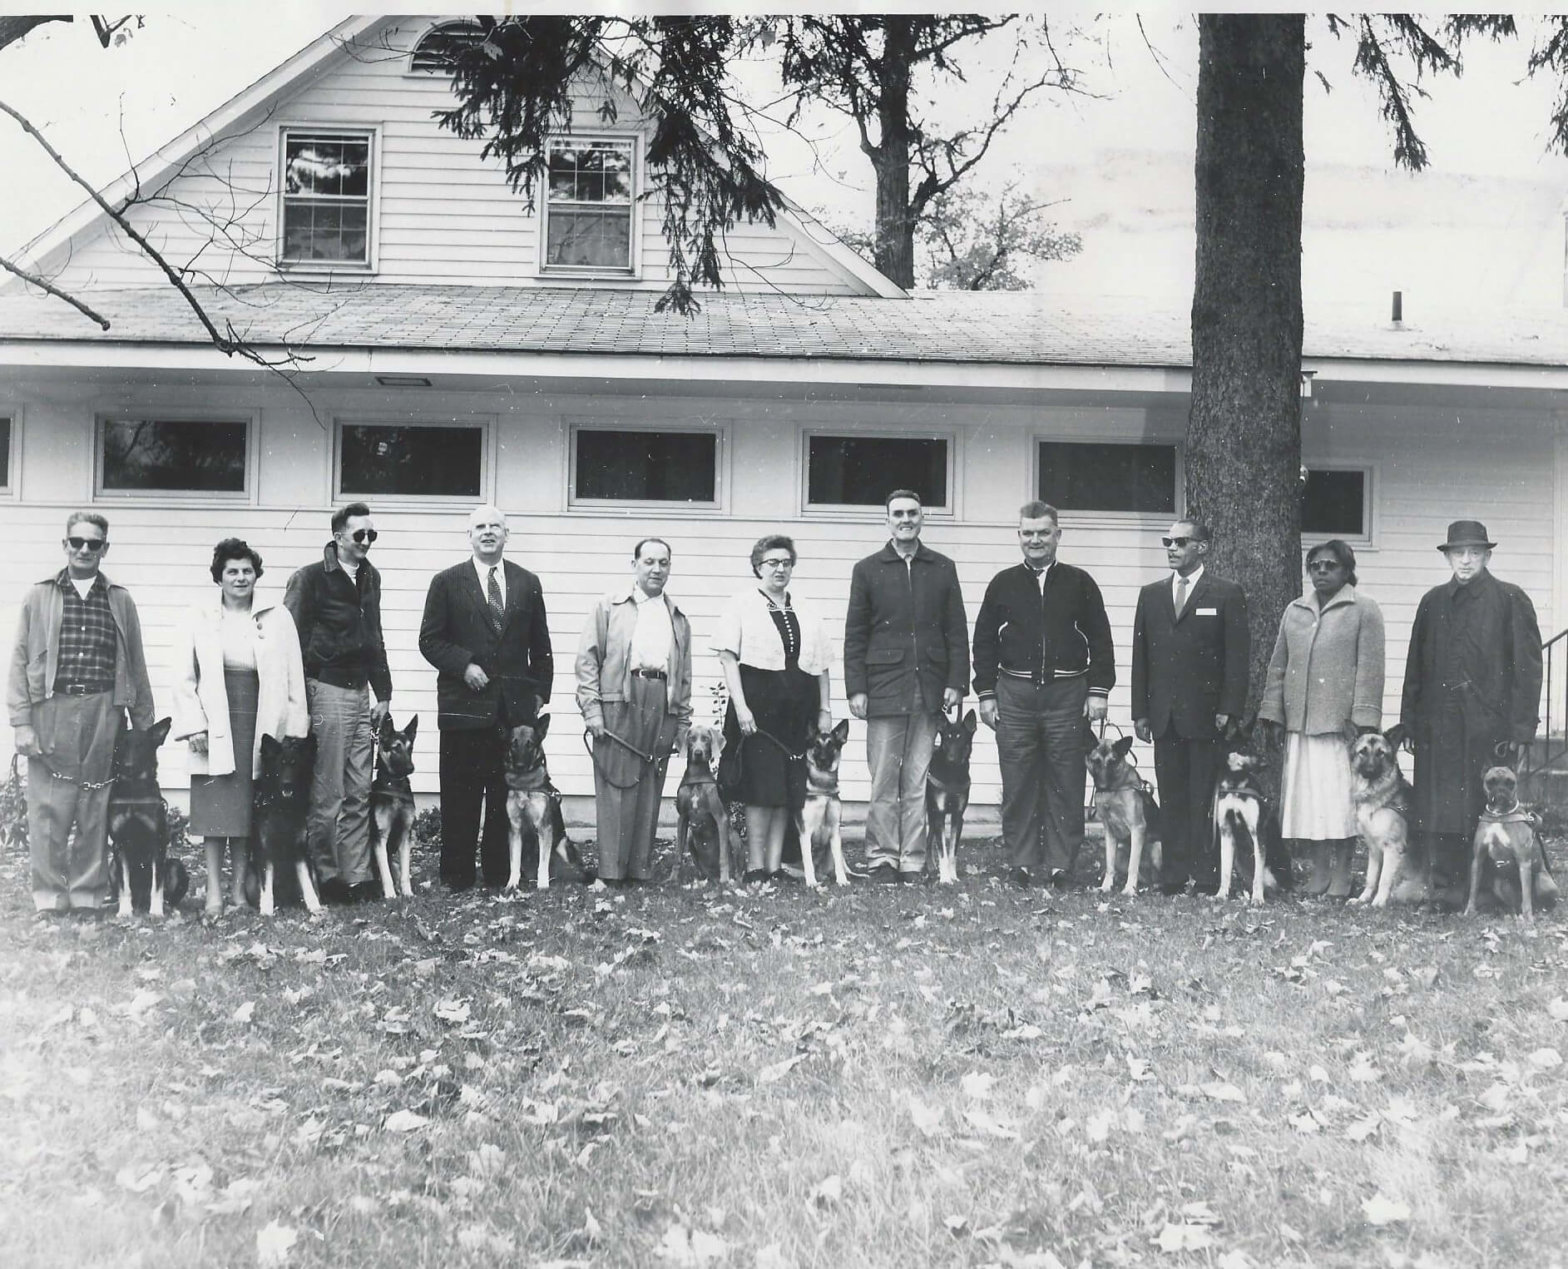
(1189, 682)
(336, 606)
(1044, 663)
(906, 659)
(1472, 698)
(484, 630)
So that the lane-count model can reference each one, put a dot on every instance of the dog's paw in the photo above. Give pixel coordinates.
(1129, 891)
(1108, 885)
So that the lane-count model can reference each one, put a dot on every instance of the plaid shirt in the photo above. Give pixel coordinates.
(87, 638)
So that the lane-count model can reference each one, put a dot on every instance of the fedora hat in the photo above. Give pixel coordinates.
(1467, 533)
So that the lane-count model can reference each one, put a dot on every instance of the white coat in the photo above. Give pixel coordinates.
(202, 705)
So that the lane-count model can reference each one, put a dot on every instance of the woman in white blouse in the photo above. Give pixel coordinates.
(238, 677)
(776, 656)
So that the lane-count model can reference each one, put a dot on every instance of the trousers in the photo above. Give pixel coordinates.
(77, 735)
(337, 828)
(1040, 749)
(473, 779)
(898, 751)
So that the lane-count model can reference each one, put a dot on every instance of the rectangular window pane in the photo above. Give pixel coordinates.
(591, 172)
(5, 453)
(589, 237)
(410, 461)
(326, 198)
(333, 167)
(173, 455)
(324, 231)
(860, 471)
(1334, 504)
(637, 466)
(1092, 476)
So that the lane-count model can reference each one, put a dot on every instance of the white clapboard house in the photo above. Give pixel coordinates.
(461, 348)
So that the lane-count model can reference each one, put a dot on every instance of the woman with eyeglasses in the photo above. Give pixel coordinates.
(1324, 687)
(776, 657)
(238, 677)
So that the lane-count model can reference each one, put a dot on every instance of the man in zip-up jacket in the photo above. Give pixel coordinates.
(1044, 663)
(336, 606)
(906, 659)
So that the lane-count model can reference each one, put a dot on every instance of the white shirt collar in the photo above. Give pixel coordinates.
(1192, 578)
(483, 570)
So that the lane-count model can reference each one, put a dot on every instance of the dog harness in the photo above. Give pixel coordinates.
(1516, 816)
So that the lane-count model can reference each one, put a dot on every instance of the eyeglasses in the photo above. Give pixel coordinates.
(87, 544)
(1177, 542)
(364, 536)
(778, 563)
(1324, 566)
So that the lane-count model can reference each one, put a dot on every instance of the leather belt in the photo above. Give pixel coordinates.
(82, 689)
(652, 674)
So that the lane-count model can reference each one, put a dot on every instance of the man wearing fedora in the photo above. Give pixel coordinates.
(1472, 698)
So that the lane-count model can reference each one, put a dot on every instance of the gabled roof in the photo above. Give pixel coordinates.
(1015, 328)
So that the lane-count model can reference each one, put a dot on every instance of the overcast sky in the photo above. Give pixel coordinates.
(185, 62)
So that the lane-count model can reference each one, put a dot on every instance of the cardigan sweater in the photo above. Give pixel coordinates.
(746, 629)
(1327, 667)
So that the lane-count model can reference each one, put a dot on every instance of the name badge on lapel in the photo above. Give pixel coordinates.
(1206, 612)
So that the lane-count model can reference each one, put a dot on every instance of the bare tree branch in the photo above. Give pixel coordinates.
(43, 284)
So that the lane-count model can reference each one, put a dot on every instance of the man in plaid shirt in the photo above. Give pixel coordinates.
(76, 669)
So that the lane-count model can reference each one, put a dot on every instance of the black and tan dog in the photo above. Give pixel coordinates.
(537, 840)
(1383, 798)
(279, 869)
(392, 806)
(141, 873)
(1246, 823)
(1508, 852)
(1128, 814)
(820, 816)
(947, 792)
(702, 824)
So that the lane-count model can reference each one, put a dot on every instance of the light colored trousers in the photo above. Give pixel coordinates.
(898, 751)
(77, 736)
(338, 825)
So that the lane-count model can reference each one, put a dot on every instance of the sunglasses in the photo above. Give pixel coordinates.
(364, 536)
(1324, 566)
(1176, 542)
(87, 544)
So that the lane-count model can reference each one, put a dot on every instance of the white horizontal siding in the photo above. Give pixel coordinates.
(1426, 472)
(441, 212)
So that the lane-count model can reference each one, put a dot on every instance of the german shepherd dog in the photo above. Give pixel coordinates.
(820, 815)
(1506, 846)
(141, 872)
(702, 824)
(279, 870)
(537, 831)
(1128, 813)
(1244, 818)
(392, 805)
(1382, 798)
(947, 792)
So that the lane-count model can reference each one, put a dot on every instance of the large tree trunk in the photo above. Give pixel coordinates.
(895, 238)
(1243, 457)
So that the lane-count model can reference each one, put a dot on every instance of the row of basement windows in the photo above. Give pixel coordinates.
(670, 468)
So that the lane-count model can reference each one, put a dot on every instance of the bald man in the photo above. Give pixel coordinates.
(485, 631)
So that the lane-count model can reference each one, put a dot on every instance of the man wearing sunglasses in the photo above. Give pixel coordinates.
(1189, 683)
(336, 606)
(76, 669)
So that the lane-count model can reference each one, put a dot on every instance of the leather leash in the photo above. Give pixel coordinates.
(621, 741)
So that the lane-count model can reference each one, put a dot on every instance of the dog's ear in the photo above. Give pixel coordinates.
(841, 731)
(541, 726)
(386, 731)
(160, 731)
(1123, 747)
(971, 722)
(412, 729)
(269, 745)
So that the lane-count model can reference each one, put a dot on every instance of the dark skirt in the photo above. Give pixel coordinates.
(784, 703)
(220, 805)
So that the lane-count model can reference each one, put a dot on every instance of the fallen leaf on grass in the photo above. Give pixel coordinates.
(1382, 1210)
(956, 1225)
(1199, 1213)
(927, 1119)
(977, 1085)
(682, 1246)
(1222, 1091)
(274, 1242)
(772, 1257)
(1545, 1059)
(244, 1013)
(1175, 1238)
(828, 1191)
(1558, 1008)
(985, 1124)
(404, 1121)
(479, 1239)
(1307, 1122)
(139, 1178)
(774, 1072)
(1363, 1127)
(453, 1011)
(1139, 1069)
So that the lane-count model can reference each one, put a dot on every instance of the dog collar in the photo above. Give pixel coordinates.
(1516, 816)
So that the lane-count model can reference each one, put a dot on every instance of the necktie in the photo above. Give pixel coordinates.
(1181, 593)
(497, 608)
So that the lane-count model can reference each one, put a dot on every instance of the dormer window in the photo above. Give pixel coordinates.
(433, 54)
(587, 205)
(326, 197)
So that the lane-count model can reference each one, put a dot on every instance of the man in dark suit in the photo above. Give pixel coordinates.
(1189, 683)
(484, 630)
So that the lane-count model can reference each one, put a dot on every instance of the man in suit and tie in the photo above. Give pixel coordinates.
(1189, 683)
(484, 630)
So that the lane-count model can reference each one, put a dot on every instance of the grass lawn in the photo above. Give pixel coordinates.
(879, 1076)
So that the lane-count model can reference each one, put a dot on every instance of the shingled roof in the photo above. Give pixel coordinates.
(1016, 328)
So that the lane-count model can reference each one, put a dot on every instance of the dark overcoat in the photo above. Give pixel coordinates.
(1472, 681)
(906, 636)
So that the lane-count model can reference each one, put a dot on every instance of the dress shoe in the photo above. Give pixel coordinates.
(335, 890)
(1058, 879)
(754, 876)
(884, 874)
(1170, 888)
(1021, 878)
(365, 892)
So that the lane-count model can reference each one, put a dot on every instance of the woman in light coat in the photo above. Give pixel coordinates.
(1324, 687)
(776, 657)
(238, 677)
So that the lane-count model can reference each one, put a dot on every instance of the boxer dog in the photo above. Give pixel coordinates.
(1505, 845)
